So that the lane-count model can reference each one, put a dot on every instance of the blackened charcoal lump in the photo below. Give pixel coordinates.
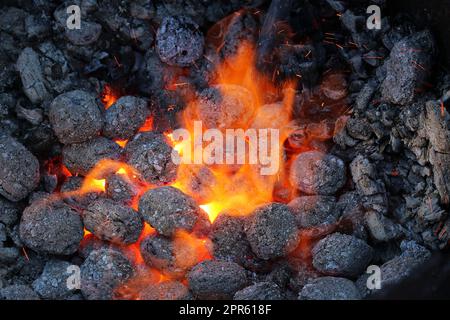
(120, 188)
(228, 237)
(9, 212)
(18, 292)
(216, 279)
(179, 41)
(151, 155)
(408, 67)
(112, 221)
(102, 272)
(341, 255)
(167, 290)
(31, 74)
(369, 186)
(52, 283)
(272, 231)
(86, 35)
(19, 169)
(168, 209)
(75, 116)
(312, 211)
(314, 172)
(125, 117)
(80, 158)
(260, 291)
(330, 288)
(49, 226)
(382, 228)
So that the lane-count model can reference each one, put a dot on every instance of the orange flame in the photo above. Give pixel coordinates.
(148, 125)
(240, 188)
(108, 97)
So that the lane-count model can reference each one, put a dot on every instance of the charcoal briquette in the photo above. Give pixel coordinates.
(125, 117)
(179, 42)
(75, 116)
(341, 255)
(151, 155)
(102, 272)
(80, 158)
(272, 231)
(314, 172)
(167, 209)
(330, 288)
(52, 283)
(112, 221)
(19, 169)
(216, 279)
(260, 291)
(49, 226)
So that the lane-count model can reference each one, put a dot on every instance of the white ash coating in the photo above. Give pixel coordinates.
(167, 209)
(102, 272)
(75, 116)
(112, 221)
(80, 158)
(19, 169)
(272, 231)
(48, 226)
(341, 255)
(314, 172)
(179, 42)
(124, 118)
(151, 155)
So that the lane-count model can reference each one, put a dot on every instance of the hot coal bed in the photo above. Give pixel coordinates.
(93, 206)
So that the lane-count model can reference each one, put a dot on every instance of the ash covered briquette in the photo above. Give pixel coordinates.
(179, 42)
(102, 272)
(228, 237)
(52, 283)
(167, 209)
(49, 226)
(260, 291)
(341, 255)
(80, 158)
(112, 221)
(216, 279)
(312, 211)
(151, 155)
(125, 117)
(19, 169)
(314, 172)
(272, 231)
(18, 292)
(330, 288)
(75, 116)
(120, 188)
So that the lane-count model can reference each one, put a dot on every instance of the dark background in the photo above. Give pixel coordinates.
(432, 13)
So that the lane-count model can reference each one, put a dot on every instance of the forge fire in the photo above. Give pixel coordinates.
(201, 150)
